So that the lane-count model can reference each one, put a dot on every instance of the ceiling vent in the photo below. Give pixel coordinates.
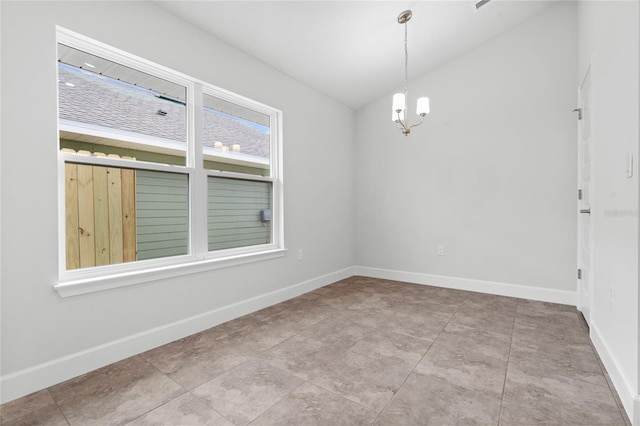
(481, 3)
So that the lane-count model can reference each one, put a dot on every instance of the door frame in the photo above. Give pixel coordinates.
(587, 280)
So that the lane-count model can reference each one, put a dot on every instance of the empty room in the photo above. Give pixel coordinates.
(319, 212)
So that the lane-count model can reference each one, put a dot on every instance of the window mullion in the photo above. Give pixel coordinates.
(198, 197)
(276, 175)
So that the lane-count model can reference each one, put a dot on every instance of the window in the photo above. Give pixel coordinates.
(159, 173)
(236, 139)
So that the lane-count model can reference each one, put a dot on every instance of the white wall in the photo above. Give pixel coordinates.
(491, 174)
(609, 41)
(46, 339)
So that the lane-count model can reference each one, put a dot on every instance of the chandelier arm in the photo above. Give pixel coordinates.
(417, 124)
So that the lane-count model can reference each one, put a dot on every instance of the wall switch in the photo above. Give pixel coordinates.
(440, 250)
(300, 254)
(630, 165)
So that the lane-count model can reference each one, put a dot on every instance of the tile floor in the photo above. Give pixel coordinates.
(361, 351)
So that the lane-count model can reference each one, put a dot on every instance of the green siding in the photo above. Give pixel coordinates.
(162, 204)
(235, 208)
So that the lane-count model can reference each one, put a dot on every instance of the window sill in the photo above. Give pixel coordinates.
(106, 282)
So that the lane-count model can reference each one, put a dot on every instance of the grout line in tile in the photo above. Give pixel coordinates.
(416, 366)
(155, 408)
(595, 353)
(506, 371)
(280, 400)
(337, 394)
(58, 406)
(13, 420)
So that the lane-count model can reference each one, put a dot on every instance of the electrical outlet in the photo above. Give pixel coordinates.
(300, 254)
(440, 250)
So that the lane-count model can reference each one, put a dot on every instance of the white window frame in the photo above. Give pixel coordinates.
(198, 259)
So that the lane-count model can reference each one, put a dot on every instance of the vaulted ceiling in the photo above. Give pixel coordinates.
(353, 51)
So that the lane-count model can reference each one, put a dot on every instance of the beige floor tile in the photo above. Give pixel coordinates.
(186, 409)
(430, 400)
(114, 394)
(560, 322)
(424, 324)
(494, 321)
(338, 299)
(257, 338)
(458, 340)
(382, 303)
(344, 329)
(544, 356)
(530, 399)
(447, 296)
(388, 344)
(49, 415)
(310, 405)
(302, 316)
(25, 405)
(470, 358)
(245, 392)
(368, 381)
(480, 374)
(303, 356)
(195, 365)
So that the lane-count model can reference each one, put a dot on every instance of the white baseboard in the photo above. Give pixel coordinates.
(502, 289)
(24, 382)
(630, 400)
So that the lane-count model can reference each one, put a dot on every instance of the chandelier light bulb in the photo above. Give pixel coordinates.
(399, 105)
(422, 106)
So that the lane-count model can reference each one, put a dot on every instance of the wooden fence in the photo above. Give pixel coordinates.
(100, 206)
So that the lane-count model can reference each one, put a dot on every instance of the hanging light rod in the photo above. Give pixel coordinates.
(481, 3)
(400, 100)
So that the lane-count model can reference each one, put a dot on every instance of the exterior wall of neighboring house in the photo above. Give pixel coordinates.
(162, 214)
(235, 213)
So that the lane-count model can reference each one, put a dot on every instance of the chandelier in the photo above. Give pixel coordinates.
(399, 114)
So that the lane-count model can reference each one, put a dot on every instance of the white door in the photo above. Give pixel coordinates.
(585, 168)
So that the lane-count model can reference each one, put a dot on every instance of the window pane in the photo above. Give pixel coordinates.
(239, 213)
(235, 138)
(109, 108)
(116, 215)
